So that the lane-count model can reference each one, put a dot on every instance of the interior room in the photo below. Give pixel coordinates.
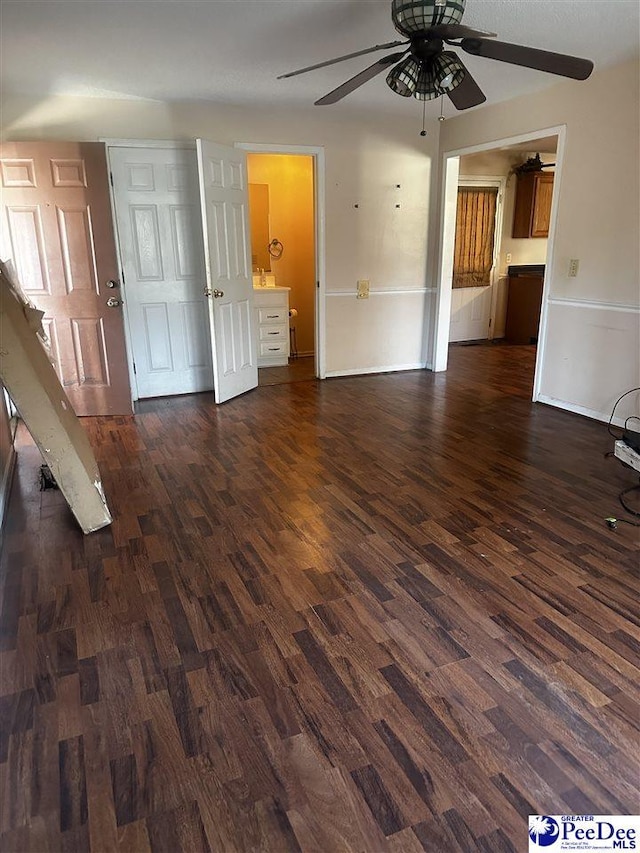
(502, 227)
(282, 207)
(367, 585)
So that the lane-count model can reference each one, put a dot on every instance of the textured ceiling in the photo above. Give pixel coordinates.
(231, 51)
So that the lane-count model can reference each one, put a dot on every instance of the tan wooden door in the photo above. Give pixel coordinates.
(57, 228)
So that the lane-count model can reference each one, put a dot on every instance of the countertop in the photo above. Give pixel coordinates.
(526, 269)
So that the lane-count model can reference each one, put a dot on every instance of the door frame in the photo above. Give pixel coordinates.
(500, 182)
(185, 145)
(317, 153)
(450, 168)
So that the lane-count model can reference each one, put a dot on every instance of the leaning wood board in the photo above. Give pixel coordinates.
(35, 389)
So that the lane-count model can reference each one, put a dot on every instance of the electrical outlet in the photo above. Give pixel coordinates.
(363, 288)
(508, 257)
(573, 267)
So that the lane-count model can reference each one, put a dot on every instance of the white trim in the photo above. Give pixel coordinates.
(5, 488)
(148, 143)
(579, 410)
(506, 141)
(595, 304)
(361, 371)
(448, 205)
(499, 181)
(319, 171)
(383, 292)
(541, 348)
(128, 337)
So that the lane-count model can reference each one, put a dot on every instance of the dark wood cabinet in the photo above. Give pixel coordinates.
(523, 304)
(532, 211)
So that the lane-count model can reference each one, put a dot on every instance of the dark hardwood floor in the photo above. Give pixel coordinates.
(367, 614)
(298, 370)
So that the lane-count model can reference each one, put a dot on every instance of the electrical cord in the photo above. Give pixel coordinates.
(625, 506)
(621, 397)
(612, 521)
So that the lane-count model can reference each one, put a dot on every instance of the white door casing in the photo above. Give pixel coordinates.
(227, 252)
(473, 308)
(157, 213)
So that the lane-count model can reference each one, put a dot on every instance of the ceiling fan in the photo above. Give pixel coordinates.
(424, 69)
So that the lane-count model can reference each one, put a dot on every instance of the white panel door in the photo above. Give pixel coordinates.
(227, 250)
(470, 313)
(157, 209)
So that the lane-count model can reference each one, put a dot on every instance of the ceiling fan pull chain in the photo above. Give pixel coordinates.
(423, 132)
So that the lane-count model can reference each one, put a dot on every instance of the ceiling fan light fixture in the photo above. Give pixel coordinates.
(403, 77)
(448, 72)
(426, 89)
(415, 16)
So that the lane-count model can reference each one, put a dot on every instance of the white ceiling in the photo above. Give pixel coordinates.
(231, 51)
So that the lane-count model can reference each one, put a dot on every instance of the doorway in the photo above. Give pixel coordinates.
(515, 253)
(476, 254)
(287, 189)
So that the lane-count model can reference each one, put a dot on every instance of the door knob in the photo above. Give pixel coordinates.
(218, 293)
(112, 302)
(112, 283)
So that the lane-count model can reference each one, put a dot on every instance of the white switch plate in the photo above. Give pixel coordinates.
(508, 257)
(574, 263)
(363, 288)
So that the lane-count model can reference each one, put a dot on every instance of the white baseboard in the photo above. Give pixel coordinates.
(361, 371)
(580, 410)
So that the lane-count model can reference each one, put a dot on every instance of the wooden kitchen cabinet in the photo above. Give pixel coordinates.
(532, 211)
(524, 303)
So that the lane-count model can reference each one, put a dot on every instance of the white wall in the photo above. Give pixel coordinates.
(593, 335)
(366, 157)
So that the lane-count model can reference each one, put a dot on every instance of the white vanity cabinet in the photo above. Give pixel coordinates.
(271, 306)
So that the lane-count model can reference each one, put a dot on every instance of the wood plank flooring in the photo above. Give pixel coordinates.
(378, 613)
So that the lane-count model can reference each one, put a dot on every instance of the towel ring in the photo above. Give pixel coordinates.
(275, 249)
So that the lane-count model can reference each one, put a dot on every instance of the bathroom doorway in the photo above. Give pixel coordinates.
(286, 219)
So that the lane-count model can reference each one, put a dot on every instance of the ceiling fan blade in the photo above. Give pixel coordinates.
(467, 94)
(357, 81)
(458, 31)
(530, 57)
(342, 58)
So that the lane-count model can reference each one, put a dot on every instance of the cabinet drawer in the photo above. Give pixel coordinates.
(273, 333)
(273, 315)
(276, 347)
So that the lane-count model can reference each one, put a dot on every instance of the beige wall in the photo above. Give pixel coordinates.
(593, 339)
(292, 221)
(366, 158)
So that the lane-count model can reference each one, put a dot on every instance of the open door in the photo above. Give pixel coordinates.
(229, 283)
